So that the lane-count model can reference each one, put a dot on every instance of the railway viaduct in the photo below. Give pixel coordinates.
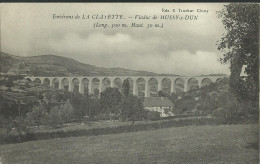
(101, 82)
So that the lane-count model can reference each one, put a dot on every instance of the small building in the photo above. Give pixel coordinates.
(243, 72)
(159, 104)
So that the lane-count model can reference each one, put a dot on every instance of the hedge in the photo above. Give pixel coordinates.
(110, 130)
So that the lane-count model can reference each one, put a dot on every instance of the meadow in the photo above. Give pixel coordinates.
(188, 144)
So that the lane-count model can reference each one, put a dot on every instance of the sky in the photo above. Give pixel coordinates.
(183, 47)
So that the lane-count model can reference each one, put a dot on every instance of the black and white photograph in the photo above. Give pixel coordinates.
(129, 83)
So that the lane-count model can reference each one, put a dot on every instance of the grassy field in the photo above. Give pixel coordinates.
(190, 144)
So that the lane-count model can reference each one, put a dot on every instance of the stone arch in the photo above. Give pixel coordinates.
(218, 80)
(75, 85)
(166, 86)
(95, 86)
(131, 82)
(106, 83)
(179, 85)
(205, 82)
(28, 79)
(192, 84)
(140, 86)
(65, 84)
(38, 81)
(152, 87)
(85, 85)
(117, 83)
(46, 82)
(55, 83)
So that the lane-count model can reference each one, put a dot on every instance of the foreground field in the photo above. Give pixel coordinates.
(191, 144)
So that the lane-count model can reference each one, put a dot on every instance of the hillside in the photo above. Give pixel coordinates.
(52, 65)
(9, 62)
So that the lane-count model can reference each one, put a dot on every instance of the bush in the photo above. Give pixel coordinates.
(9, 83)
(19, 124)
(5, 127)
(234, 113)
(102, 117)
(197, 113)
(153, 115)
(37, 116)
(66, 112)
(220, 113)
(115, 117)
(55, 118)
(27, 85)
(207, 112)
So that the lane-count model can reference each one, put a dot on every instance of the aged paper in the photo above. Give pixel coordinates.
(67, 70)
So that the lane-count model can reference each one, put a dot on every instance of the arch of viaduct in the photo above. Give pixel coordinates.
(89, 80)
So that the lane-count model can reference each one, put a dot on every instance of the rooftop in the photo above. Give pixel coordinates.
(157, 102)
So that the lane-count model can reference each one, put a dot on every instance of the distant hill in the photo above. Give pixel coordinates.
(52, 65)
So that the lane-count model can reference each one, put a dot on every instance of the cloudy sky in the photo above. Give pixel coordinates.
(185, 47)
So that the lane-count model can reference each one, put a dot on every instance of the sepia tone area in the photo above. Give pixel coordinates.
(129, 83)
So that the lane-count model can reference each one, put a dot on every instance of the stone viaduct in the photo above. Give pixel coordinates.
(83, 82)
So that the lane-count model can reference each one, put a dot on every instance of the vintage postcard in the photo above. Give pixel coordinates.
(129, 83)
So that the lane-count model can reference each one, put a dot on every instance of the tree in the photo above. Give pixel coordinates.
(9, 83)
(161, 94)
(173, 97)
(94, 107)
(132, 108)
(185, 104)
(76, 102)
(125, 88)
(240, 47)
(21, 66)
(96, 93)
(6, 125)
(37, 116)
(110, 99)
(66, 112)
(85, 103)
(55, 118)
(20, 125)
(204, 95)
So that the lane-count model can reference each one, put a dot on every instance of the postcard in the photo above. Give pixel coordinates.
(129, 83)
